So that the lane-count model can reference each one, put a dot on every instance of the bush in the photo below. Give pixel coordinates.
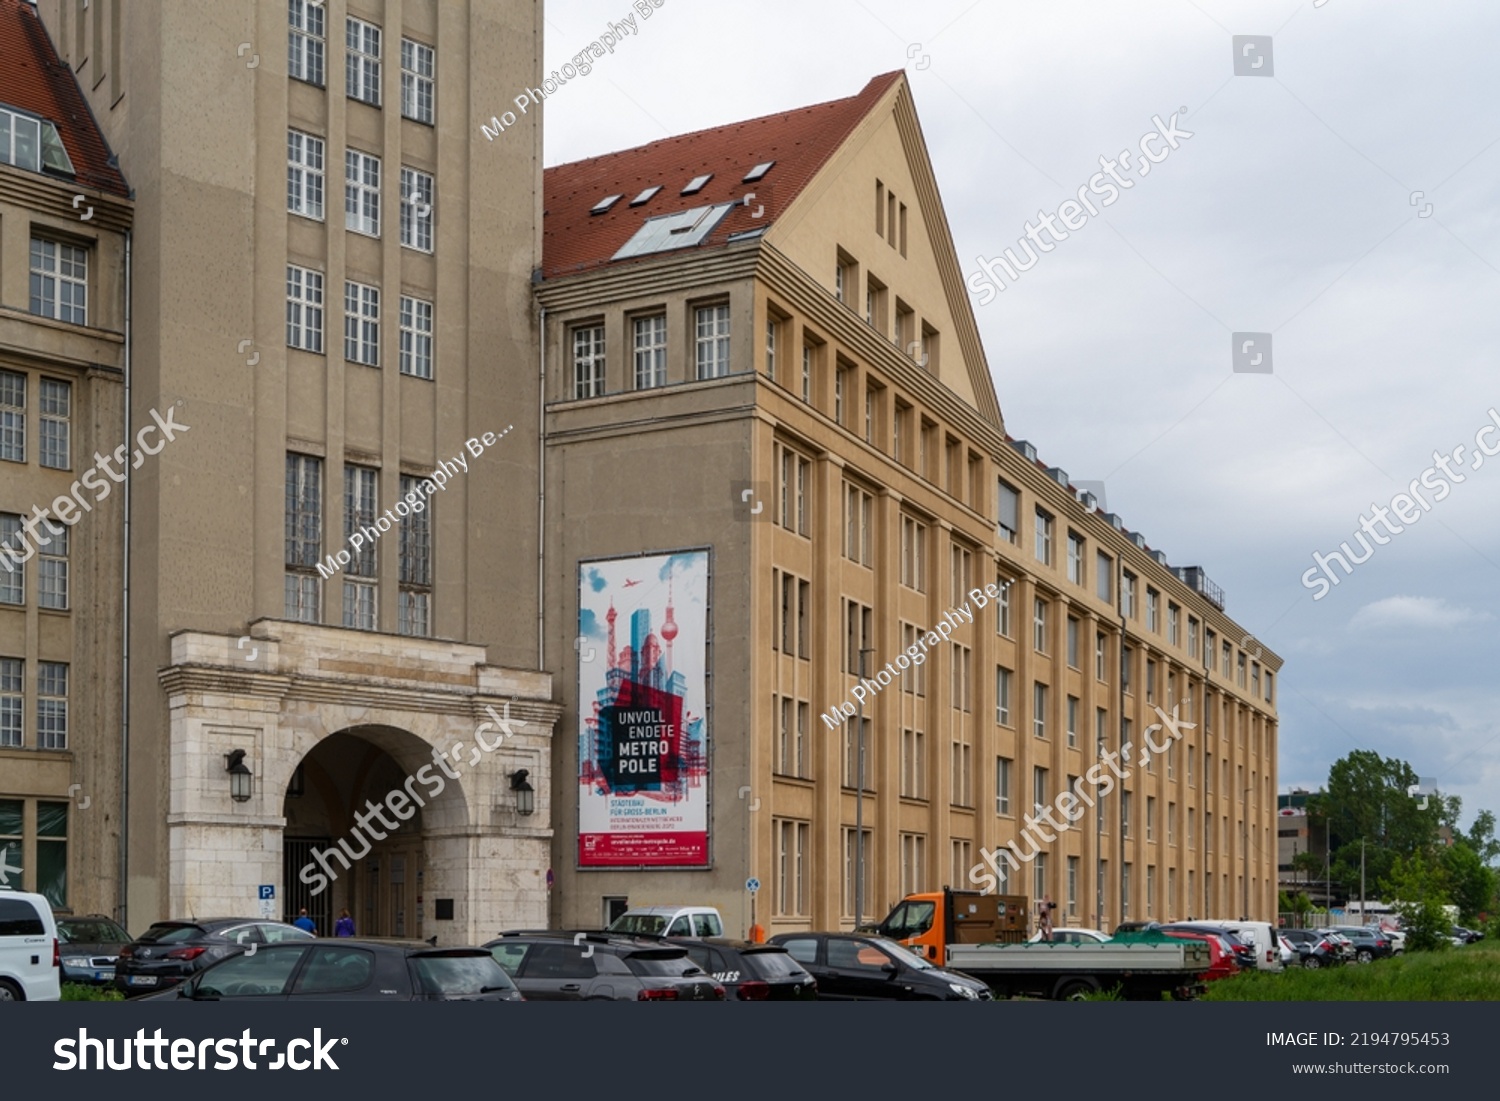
(79, 992)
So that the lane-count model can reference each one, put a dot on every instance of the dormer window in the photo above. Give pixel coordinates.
(32, 143)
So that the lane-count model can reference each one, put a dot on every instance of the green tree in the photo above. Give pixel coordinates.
(1416, 884)
(1468, 882)
(1367, 801)
(1481, 837)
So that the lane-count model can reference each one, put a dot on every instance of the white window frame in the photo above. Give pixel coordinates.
(416, 355)
(306, 165)
(417, 194)
(362, 60)
(361, 193)
(59, 285)
(306, 42)
(418, 81)
(588, 361)
(650, 347)
(55, 411)
(304, 309)
(712, 340)
(361, 323)
(52, 565)
(52, 704)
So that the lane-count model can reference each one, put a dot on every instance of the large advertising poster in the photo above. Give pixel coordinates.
(642, 693)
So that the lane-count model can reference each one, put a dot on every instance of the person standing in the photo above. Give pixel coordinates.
(305, 923)
(344, 927)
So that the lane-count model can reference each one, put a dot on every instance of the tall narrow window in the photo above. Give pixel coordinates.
(304, 536)
(12, 572)
(305, 41)
(1002, 695)
(56, 408)
(416, 209)
(650, 351)
(1002, 606)
(12, 703)
(361, 193)
(304, 309)
(304, 174)
(52, 564)
(59, 281)
(13, 416)
(1075, 558)
(1039, 626)
(771, 328)
(588, 361)
(1103, 570)
(414, 611)
(418, 64)
(416, 337)
(1044, 537)
(361, 323)
(362, 61)
(1039, 710)
(1002, 785)
(713, 341)
(361, 596)
(51, 705)
(807, 355)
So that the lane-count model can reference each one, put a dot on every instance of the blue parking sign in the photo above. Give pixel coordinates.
(267, 890)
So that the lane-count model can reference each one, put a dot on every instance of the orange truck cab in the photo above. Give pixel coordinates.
(928, 923)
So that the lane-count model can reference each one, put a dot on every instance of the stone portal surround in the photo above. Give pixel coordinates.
(291, 685)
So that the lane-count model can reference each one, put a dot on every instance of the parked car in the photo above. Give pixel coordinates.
(1243, 954)
(1313, 949)
(1342, 945)
(1259, 935)
(90, 946)
(669, 921)
(1468, 936)
(348, 970)
(850, 967)
(1221, 958)
(1368, 945)
(564, 967)
(1397, 937)
(1071, 935)
(171, 951)
(751, 972)
(30, 965)
(1288, 953)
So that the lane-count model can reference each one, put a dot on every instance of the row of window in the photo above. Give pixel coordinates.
(307, 50)
(1227, 661)
(48, 841)
(361, 591)
(54, 427)
(649, 349)
(790, 887)
(51, 698)
(362, 320)
(306, 186)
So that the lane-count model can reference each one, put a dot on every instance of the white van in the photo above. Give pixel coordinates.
(30, 962)
(670, 921)
(1261, 935)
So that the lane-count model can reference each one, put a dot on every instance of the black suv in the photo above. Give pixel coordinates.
(171, 951)
(851, 967)
(348, 970)
(592, 966)
(750, 972)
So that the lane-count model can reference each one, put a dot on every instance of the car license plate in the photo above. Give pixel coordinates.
(103, 976)
(141, 980)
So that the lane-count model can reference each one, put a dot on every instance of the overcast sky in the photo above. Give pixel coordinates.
(1290, 211)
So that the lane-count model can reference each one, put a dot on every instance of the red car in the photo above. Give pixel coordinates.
(1221, 962)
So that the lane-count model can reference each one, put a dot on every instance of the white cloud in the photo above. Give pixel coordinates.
(1414, 612)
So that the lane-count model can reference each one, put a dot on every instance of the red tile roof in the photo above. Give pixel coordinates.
(799, 141)
(35, 80)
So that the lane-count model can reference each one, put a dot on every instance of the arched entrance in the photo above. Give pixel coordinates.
(360, 811)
